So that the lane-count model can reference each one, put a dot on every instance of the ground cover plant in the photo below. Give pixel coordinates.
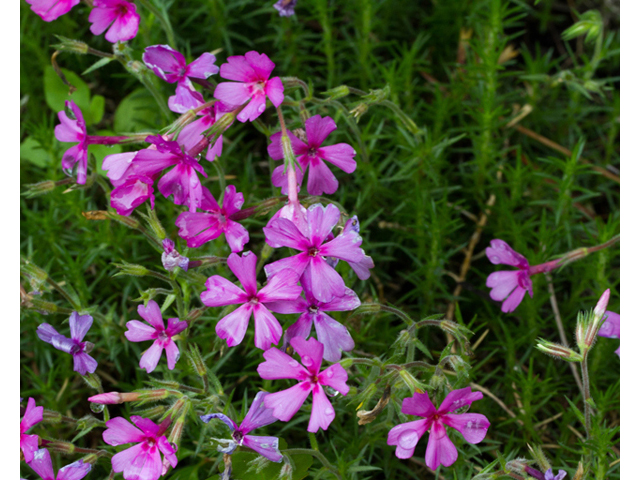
(318, 239)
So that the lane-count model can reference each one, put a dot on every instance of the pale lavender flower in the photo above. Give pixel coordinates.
(285, 7)
(171, 258)
(611, 327)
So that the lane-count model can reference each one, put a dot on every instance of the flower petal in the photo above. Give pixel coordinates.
(502, 284)
(220, 292)
(341, 155)
(282, 285)
(203, 67)
(501, 253)
(173, 354)
(267, 328)
(258, 415)
(83, 363)
(419, 404)
(234, 326)
(150, 358)
(310, 352)
(440, 449)
(119, 431)
(335, 377)
(322, 412)
(152, 314)
(279, 365)
(74, 471)
(511, 303)
(80, 325)
(321, 179)
(406, 436)
(333, 335)
(41, 464)
(220, 416)
(139, 332)
(265, 446)
(287, 402)
(459, 398)
(325, 282)
(46, 332)
(472, 426)
(244, 267)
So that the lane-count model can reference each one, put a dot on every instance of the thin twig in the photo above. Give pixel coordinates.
(497, 400)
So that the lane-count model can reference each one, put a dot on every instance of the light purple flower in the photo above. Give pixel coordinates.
(440, 449)
(29, 443)
(325, 283)
(162, 337)
(120, 13)
(42, 465)
(252, 70)
(333, 335)
(49, 10)
(192, 134)
(286, 403)
(257, 416)
(171, 258)
(285, 7)
(201, 227)
(79, 325)
(142, 461)
(548, 475)
(312, 154)
(510, 285)
(220, 292)
(611, 327)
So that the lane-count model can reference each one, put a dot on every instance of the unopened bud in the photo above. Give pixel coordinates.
(93, 381)
(70, 45)
(369, 309)
(337, 92)
(539, 457)
(590, 24)
(196, 360)
(411, 381)
(558, 351)
(136, 66)
(601, 306)
(113, 398)
(437, 382)
(59, 446)
(40, 188)
(195, 314)
(43, 305)
(377, 95)
(131, 269)
(49, 416)
(286, 472)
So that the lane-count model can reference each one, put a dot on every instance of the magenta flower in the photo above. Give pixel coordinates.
(286, 403)
(285, 7)
(325, 283)
(192, 134)
(171, 258)
(257, 416)
(162, 337)
(142, 461)
(201, 227)
(252, 70)
(611, 327)
(49, 10)
(120, 13)
(311, 154)
(171, 66)
(509, 285)
(220, 292)
(29, 443)
(331, 334)
(42, 465)
(79, 325)
(440, 449)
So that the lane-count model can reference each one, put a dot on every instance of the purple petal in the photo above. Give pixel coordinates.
(283, 233)
(80, 325)
(287, 402)
(183, 183)
(100, 19)
(203, 67)
(220, 292)
(139, 332)
(236, 235)
(440, 449)
(185, 99)
(232, 201)
(611, 326)
(150, 358)
(279, 178)
(282, 285)
(406, 436)
(49, 10)
(41, 464)
(76, 155)
(148, 426)
(232, 94)
(74, 471)
(190, 135)
(267, 328)
(299, 305)
(260, 63)
(173, 353)
(275, 91)
(325, 282)
(349, 301)
(198, 228)
(502, 283)
(83, 363)
(345, 247)
(298, 263)
(511, 303)
(175, 326)
(237, 69)
(136, 463)
(321, 180)
(128, 196)
(125, 26)
(322, 412)
(28, 445)
(362, 267)
(117, 164)
(32, 415)
(318, 129)
(244, 267)
(300, 328)
(165, 62)
(69, 130)
(265, 446)
(254, 108)
(275, 148)
(321, 220)
(310, 352)
(169, 452)
(341, 155)
(333, 335)
(472, 426)
(459, 398)
(501, 253)
(46, 332)
(152, 314)
(258, 415)
(234, 326)
(335, 377)
(419, 404)
(220, 416)
(279, 365)
(120, 431)
(64, 344)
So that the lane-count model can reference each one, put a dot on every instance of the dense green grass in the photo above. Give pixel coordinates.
(420, 197)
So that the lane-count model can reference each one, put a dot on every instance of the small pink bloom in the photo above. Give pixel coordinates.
(162, 337)
(142, 461)
(252, 70)
(120, 13)
(440, 449)
(49, 10)
(202, 227)
(311, 154)
(220, 292)
(611, 327)
(42, 465)
(29, 443)
(509, 285)
(286, 403)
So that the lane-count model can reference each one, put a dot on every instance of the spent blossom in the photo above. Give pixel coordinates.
(42, 465)
(285, 7)
(311, 154)
(257, 416)
(251, 71)
(142, 461)
(171, 258)
(162, 337)
(49, 10)
(440, 449)
(285, 404)
(29, 443)
(220, 292)
(79, 325)
(121, 15)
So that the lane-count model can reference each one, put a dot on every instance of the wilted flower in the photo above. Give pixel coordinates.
(29, 443)
(42, 465)
(171, 258)
(120, 13)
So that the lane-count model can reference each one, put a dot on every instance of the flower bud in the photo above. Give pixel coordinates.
(49, 416)
(131, 269)
(59, 446)
(337, 92)
(558, 351)
(369, 309)
(601, 306)
(43, 305)
(93, 381)
(196, 360)
(113, 398)
(40, 188)
(590, 23)
(411, 381)
(70, 45)
(286, 472)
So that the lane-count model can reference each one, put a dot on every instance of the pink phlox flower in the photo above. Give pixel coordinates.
(192, 134)
(142, 461)
(294, 212)
(252, 71)
(510, 285)
(611, 327)
(49, 10)
(73, 130)
(79, 325)
(286, 403)
(29, 443)
(440, 449)
(331, 334)
(325, 283)
(201, 227)
(171, 258)
(121, 13)
(171, 66)
(257, 416)
(311, 154)
(162, 337)
(42, 465)
(285, 7)
(220, 292)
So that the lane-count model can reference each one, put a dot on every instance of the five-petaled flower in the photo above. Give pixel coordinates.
(162, 337)
(311, 154)
(252, 71)
(257, 416)
(42, 465)
(286, 403)
(49, 10)
(509, 285)
(29, 443)
(142, 461)
(440, 449)
(79, 325)
(220, 292)
(121, 13)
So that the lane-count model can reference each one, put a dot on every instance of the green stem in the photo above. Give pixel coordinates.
(399, 313)
(178, 293)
